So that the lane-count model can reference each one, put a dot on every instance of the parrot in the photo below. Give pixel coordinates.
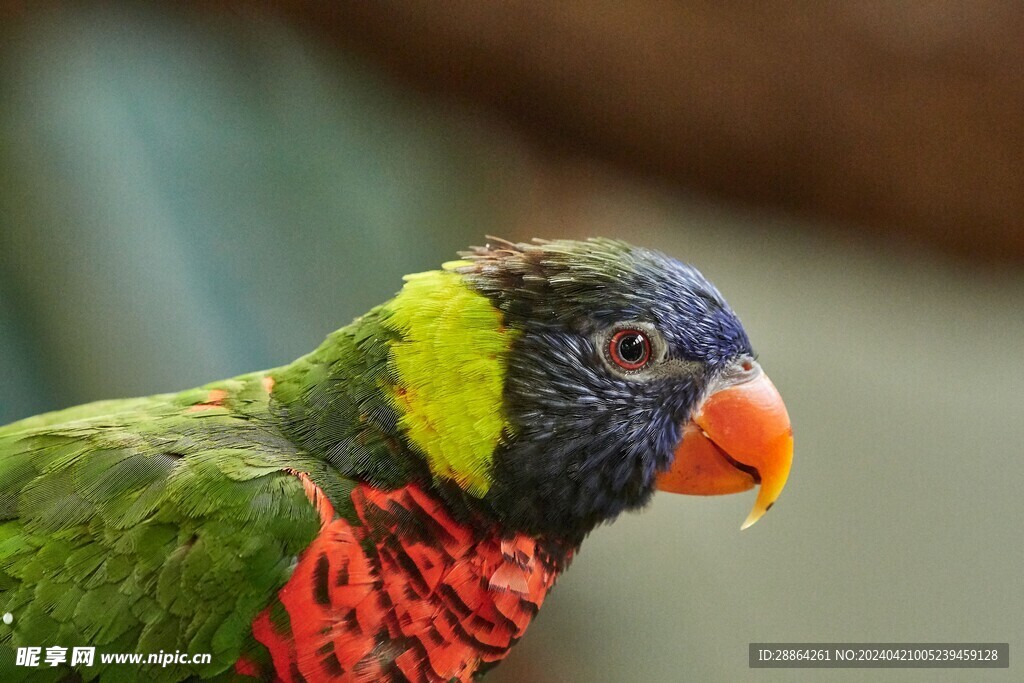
(395, 505)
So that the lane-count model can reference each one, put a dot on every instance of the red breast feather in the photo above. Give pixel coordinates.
(408, 594)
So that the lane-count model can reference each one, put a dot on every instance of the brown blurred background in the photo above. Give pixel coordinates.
(196, 191)
(901, 118)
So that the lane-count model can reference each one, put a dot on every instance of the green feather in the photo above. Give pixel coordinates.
(149, 525)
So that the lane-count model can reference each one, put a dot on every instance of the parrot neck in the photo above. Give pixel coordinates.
(340, 403)
(410, 392)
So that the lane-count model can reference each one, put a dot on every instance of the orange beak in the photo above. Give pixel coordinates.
(738, 437)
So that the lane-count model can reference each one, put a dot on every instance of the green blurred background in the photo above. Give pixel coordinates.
(185, 199)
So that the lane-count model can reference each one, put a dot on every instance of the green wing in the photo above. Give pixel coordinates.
(158, 524)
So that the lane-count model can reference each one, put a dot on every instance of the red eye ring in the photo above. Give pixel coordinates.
(632, 356)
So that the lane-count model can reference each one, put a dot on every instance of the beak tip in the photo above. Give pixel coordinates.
(757, 513)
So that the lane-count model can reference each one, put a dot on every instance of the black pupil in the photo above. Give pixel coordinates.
(632, 348)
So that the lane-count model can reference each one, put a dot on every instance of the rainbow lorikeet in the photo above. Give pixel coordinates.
(395, 505)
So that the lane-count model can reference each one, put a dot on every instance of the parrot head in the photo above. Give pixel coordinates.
(616, 371)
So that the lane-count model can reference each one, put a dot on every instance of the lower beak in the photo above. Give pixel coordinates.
(738, 437)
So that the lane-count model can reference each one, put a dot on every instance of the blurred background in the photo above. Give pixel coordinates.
(196, 192)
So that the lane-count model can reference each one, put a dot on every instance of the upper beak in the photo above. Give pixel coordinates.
(739, 436)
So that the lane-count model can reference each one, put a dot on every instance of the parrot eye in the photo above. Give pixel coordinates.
(630, 349)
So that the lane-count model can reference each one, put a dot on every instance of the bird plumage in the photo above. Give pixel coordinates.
(393, 506)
